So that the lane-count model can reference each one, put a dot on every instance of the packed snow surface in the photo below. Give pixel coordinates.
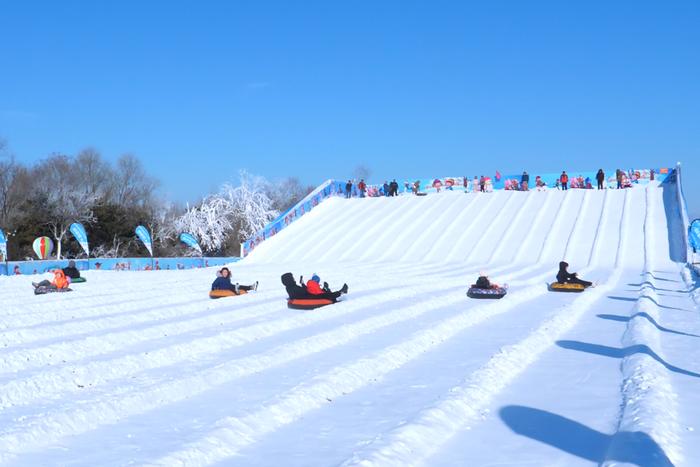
(142, 368)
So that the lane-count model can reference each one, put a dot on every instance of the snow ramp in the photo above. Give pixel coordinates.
(581, 227)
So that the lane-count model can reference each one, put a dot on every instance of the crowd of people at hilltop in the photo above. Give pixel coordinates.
(484, 184)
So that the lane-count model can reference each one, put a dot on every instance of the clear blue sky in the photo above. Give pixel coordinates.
(314, 88)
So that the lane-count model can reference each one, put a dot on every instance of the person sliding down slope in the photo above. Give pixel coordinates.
(563, 276)
(223, 282)
(59, 283)
(311, 290)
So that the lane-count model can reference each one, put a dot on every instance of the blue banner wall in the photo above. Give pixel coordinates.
(114, 264)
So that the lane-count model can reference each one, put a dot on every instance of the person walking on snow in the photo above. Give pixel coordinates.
(618, 176)
(348, 189)
(564, 180)
(482, 184)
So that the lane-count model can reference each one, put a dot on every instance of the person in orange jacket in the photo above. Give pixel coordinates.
(564, 179)
(60, 281)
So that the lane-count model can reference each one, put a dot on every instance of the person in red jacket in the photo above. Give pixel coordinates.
(313, 286)
(564, 179)
(362, 186)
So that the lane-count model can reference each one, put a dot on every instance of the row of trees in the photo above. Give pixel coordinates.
(111, 199)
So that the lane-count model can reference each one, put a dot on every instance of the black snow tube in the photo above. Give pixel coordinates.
(42, 290)
(493, 293)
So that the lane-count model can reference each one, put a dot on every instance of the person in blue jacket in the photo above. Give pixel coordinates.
(223, 282)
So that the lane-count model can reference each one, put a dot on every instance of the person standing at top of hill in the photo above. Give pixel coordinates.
(348, 189)
(564, 180)
(618, 176)
(524, 181)
(362, 186)
(600, 178)
(482, 184)
(393, 188)
(385, 187)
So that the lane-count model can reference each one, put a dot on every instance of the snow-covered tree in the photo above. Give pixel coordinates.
(238, 211)
(251, 204)
(211, 222)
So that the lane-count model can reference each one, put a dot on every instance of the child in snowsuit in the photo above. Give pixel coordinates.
(223, 282)
(563, 276)
(312, 289)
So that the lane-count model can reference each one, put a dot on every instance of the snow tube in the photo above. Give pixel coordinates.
(78, 280)
(308, 303)
(41, 290)
(565, 287)
(496, 292)
(225, 293)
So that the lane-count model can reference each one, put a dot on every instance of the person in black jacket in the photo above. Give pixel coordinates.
(296, 291)
(563, 276)
(71, 271)
(223, 282)
(600, 177)
(525, 181)
(394, 188)
(348, 189)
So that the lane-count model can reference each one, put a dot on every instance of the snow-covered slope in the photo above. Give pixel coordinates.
(141, 368)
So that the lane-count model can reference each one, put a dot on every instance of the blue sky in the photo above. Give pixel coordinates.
(199, 90)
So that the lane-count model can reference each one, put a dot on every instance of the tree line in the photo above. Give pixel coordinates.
(111, 199)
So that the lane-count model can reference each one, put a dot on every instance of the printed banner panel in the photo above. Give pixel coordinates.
(114, 264)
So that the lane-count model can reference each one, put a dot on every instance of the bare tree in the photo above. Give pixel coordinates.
(9, 173)
(94, 172)
(59, 184)
(131, 185)
(287, 192)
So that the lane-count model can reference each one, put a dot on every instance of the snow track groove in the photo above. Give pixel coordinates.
(234, 433)
(127, 401)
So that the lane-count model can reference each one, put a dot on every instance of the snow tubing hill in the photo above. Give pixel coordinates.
(566, 287)
(495, 293)
(225, 293)
(308, 303)
(44, 290)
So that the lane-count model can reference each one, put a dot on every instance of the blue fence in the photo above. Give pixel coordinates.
(114, 264)
(313, 199)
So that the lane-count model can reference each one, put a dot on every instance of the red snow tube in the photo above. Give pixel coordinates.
(225, 293)
(308, 303)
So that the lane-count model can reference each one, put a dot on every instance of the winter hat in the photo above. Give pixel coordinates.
(315, 278)
(71, 264)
